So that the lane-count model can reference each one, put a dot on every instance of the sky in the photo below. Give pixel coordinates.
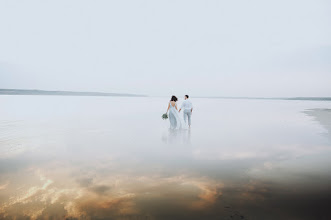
(256, 48)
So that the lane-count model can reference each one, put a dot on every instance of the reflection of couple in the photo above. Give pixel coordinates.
(174, 117)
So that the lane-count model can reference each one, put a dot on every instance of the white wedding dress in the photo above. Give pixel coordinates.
(176, 122)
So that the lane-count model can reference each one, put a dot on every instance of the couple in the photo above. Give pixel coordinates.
(174, 118)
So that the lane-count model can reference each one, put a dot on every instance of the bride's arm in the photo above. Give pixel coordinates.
(168, 107)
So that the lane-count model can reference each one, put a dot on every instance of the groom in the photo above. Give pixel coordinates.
(188, 108)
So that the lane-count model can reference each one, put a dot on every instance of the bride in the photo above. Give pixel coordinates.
(175, 120)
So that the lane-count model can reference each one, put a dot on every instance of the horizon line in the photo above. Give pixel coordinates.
(90, 93)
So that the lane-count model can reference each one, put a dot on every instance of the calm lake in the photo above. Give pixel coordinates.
(67, 157)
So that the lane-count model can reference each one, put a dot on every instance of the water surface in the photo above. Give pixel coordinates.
(115, 158)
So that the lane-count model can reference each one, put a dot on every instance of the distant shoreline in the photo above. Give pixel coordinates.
(62, 93)
(71, 93)
(277, 98)
(262, 98)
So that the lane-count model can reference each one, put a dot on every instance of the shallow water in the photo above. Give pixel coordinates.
(115, 158)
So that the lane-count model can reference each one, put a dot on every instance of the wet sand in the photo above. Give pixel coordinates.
(322, 116)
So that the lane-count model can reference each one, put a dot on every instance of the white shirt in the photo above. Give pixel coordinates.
(186, 105)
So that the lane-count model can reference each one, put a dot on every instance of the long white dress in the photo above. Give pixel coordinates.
(175, 121)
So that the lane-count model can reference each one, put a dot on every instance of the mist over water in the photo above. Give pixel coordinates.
(115, 158)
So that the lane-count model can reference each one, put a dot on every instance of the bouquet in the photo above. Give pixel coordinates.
(164, 116)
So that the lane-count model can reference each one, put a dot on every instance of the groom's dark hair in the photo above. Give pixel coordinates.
(187, 96)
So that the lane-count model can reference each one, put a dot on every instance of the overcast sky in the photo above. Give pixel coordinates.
(203, 48)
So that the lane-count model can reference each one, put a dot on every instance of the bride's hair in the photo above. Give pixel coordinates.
(174, 98)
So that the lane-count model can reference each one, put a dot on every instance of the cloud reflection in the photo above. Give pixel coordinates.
(106, 196)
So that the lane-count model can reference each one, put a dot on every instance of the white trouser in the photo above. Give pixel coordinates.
(187, 114)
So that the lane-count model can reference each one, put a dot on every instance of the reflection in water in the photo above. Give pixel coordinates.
(88, 162)
(175, 136)
(112, 196)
